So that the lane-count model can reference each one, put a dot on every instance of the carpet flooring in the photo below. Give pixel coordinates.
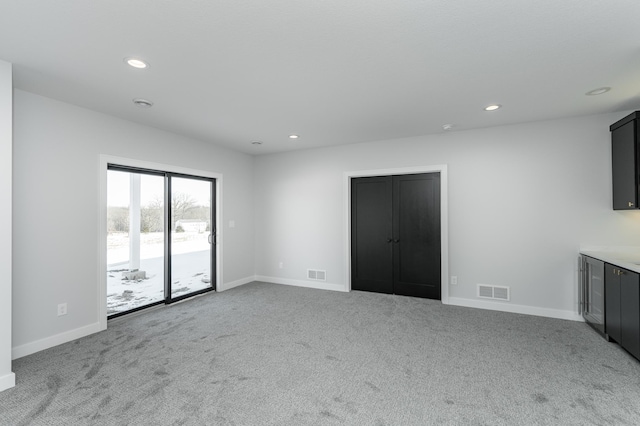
(266, 354)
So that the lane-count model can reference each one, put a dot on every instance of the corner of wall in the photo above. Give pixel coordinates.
(236, 283)
(7, 381)
(7, 377)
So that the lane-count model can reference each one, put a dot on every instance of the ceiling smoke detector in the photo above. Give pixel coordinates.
(256, 142)
(598, 91)
(142, 103)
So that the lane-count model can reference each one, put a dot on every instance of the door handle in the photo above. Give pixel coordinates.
(396, 241)
(211, 239)
(389, 240)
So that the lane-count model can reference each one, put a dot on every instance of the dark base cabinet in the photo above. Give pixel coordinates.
(630, 312)
(622, 313)
(612, 302)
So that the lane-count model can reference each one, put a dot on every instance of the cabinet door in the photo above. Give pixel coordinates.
(630, 312)
(623, 155)
(612, 300)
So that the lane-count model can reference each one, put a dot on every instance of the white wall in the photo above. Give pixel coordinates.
(57, 150)
(7, 378)
(522, 200)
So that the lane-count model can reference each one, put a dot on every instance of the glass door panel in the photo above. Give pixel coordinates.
(135, 240)
(191, 235)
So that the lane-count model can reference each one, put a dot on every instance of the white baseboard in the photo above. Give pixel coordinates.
(7, 381)
(236, 283)
(320, 285)
(58, 339)
(516, 309)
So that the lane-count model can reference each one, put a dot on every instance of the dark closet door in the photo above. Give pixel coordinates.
(416, 230)
(371, 234)
(395, 234)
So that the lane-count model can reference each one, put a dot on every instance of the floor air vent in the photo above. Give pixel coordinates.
(316, 275)
(493, 292)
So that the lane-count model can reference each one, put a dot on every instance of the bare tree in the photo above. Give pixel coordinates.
(117, 219)
(152, 217)
(181, 205)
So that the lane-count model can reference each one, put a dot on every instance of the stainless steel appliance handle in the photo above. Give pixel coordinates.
(581, 284)
(586, 301)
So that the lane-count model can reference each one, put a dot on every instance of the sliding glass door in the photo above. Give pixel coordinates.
(135, 240)
(160, 238)
(191, 236)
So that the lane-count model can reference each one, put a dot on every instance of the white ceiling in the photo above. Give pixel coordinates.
(334, 71)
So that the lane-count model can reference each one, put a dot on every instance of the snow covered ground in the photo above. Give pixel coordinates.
(190, 267)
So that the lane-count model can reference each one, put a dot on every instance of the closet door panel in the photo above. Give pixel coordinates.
(371, 248)
(416, 224)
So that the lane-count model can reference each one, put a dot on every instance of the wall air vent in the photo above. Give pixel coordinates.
(316, 275)
(494, 292)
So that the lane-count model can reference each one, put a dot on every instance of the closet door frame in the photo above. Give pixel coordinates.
(444, 224)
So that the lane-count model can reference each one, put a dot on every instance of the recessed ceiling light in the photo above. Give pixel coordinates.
(142, 103)
(447, 126)
(136, 63)
(293, 136)
(492, 107)
(256, 142)
(598, 91)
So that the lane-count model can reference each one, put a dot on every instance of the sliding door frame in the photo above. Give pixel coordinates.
(146, 166)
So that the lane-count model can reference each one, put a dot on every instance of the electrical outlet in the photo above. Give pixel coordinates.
(281, 265)
(62, 309)
(454, 280)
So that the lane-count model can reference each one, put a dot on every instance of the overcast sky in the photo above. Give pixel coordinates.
(152, 187)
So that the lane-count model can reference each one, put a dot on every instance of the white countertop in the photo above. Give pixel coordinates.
(624, 257)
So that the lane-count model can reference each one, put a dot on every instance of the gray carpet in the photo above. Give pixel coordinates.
(265, 354)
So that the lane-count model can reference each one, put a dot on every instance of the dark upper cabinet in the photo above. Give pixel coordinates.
(625, 151)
